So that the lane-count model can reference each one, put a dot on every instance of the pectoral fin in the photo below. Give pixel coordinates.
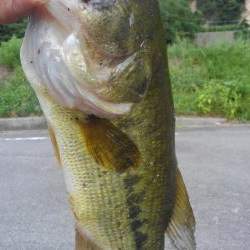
(55, 145)
(108, 145)
(182, 225)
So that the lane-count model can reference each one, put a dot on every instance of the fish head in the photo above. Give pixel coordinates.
(110, 27)
(91, 55)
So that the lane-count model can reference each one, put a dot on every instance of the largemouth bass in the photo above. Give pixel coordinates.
(99, 70)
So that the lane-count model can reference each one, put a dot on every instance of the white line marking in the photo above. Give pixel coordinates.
(24, 139)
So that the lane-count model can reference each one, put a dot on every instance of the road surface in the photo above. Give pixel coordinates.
(215, 162)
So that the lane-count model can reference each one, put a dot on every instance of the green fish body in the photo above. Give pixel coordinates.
(100, 73)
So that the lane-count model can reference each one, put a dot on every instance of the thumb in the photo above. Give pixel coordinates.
(13, 10)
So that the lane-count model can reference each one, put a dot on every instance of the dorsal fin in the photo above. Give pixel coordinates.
(182, 225)
(108, 145)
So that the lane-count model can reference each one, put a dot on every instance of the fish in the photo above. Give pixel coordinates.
(100, 72)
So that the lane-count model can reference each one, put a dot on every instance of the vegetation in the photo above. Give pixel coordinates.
(243, 32)
(16, 96)
(9, 52)
(212, 81)
(220, 10)
(16, 29)
(178, 19)
(214, 15)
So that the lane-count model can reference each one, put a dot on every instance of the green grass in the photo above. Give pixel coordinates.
(9, 52)
(211, 80)
(17, 97)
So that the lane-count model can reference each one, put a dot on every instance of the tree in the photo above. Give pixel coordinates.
(17, 29)
(220, 10)
(178, 19)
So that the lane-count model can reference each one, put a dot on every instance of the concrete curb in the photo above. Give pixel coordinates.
(39, 123)
(197, 122)
(27, 123)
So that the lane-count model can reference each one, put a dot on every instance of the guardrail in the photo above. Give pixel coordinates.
(241, 28)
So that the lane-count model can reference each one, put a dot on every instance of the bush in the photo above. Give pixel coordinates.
(218, 98)
(213, 80)
(244, 31)
(16, 29)
(220, 10)
(17, 97)
(10, 52)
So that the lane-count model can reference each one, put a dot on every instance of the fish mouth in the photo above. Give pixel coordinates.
(67, 78)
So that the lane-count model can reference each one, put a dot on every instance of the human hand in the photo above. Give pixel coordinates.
(13, 10)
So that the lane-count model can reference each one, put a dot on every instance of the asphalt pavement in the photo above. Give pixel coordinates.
(214, 160)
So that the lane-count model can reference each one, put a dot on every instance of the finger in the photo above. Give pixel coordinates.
(13, 10)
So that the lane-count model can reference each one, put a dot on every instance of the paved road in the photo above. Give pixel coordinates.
(34, 213)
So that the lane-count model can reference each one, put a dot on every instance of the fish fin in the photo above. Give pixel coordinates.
(55, 145)
(182, 225)
(108, 145)
(82, 242)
